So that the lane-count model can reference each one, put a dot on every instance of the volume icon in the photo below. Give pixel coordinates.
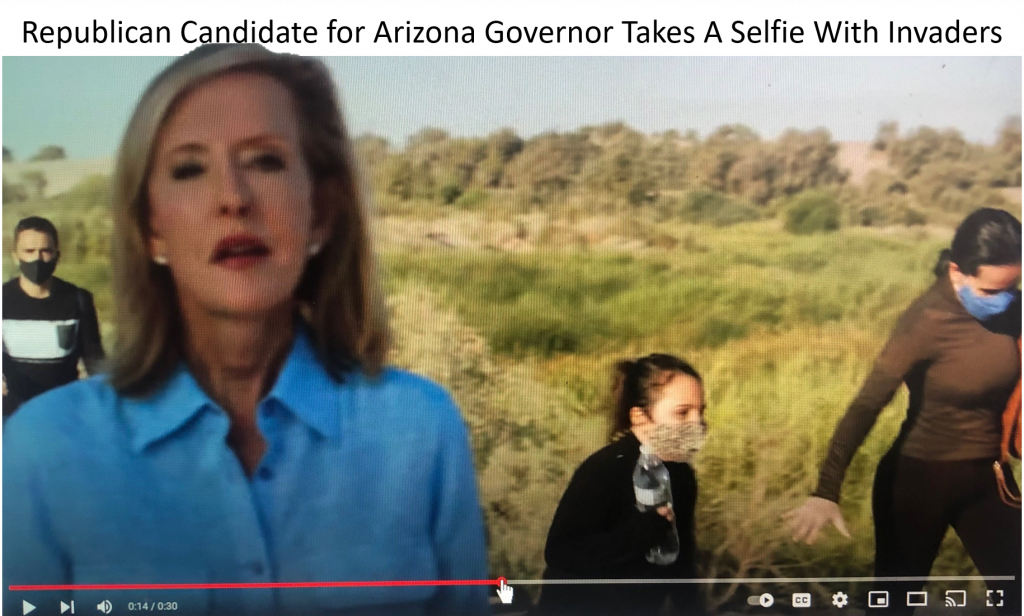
(106, 607)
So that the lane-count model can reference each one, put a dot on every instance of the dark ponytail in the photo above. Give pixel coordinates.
(635, 383)
(986, 237)
(942, 266)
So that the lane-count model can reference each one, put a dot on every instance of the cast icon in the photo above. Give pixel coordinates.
(956, 598)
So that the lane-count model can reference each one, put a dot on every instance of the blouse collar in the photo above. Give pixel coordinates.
(304, 387)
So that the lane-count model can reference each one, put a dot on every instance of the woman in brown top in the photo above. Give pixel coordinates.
(955, 348)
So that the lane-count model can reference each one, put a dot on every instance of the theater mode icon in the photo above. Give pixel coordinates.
(917, 598)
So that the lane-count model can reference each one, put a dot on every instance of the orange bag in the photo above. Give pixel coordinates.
(1010, 445)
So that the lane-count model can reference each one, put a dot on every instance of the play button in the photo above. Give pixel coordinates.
(26, 607)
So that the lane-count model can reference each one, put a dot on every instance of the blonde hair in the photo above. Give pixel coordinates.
(339, 291)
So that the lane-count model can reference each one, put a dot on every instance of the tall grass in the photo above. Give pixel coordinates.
(784, 329)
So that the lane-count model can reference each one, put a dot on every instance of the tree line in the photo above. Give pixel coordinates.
(731, 174)
(611, 159)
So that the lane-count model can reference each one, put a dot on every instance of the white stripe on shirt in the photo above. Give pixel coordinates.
(38, 340)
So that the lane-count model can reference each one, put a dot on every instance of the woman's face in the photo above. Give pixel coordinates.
(231, 199)
(989, 280)
(674, 424)
(680, 401)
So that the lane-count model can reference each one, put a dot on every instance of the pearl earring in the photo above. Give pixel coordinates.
(160, 260)
(314, 248)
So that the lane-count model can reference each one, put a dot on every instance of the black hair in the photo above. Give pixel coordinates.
(36, 223)
(986, 237)
(635, 383)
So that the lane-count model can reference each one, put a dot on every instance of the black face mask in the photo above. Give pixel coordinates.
(37, 271)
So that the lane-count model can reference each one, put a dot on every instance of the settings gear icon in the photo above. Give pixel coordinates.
(840, 599)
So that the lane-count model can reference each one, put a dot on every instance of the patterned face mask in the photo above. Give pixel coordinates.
(677, 443)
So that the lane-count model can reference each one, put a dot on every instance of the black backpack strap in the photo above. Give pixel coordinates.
(82, 302)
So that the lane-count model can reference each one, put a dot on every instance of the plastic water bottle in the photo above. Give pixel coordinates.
(653, 489)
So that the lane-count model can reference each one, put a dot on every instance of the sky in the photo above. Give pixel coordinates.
(83, 103)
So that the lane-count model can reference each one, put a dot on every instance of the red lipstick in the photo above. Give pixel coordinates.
(239, 251)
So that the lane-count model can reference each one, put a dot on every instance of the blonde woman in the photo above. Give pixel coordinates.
(248, 431)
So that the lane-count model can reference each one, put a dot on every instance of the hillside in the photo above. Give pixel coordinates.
(858, 159)
(61, 175)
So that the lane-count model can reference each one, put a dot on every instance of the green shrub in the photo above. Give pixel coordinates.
(715, 208)
(812, 212)
(471, 199)
(715, 332)
(90, 193)
(13, 193)
(914, 218)
(450, 192)
(538, 332)
(50, 152)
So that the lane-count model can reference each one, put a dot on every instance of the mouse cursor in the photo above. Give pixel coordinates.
(504, 591)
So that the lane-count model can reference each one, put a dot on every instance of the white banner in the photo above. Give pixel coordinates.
(738, 31)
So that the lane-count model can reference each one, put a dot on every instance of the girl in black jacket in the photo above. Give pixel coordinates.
(598, 533)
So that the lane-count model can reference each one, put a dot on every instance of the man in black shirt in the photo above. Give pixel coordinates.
(48, 324)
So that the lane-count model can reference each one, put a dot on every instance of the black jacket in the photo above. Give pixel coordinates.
(598, 533)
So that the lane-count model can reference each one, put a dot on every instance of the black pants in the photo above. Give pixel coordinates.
(914, 504)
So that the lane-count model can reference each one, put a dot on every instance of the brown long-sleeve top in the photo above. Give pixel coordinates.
(959, 372)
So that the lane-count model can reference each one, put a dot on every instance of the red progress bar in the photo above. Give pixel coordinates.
(225, 586)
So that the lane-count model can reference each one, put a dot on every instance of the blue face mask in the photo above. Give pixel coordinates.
(984, 308)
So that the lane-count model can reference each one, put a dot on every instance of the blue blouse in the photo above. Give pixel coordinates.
(366, 479)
